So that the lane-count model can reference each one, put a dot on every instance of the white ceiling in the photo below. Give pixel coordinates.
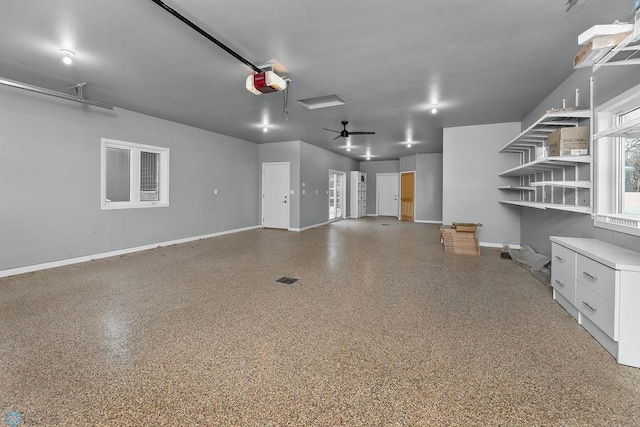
(482, 61)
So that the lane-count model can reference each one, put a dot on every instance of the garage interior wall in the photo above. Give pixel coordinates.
(372, 169)
(50, 181)
(471, 165)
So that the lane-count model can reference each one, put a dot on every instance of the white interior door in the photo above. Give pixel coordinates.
(275, 195)
(387, 194)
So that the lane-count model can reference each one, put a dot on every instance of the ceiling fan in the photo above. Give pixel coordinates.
(345, 133)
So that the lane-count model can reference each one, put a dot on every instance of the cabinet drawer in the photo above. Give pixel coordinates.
(564, 285)
(563, 261)
(598, 277)
(597, 309)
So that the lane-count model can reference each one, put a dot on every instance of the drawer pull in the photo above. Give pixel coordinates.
(590, 308)
(560, 283)
(559, 258)
(589, 276)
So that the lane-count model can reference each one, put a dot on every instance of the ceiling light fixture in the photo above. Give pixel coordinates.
(434, 108)
(265, 129)
(409, 145)
(348, 148)
(368, 157)
(67, 56)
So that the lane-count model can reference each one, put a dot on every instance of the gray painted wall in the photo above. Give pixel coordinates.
(50, 181)
(428, 187)
(315, 165)
(471, 164)
(287, 151)
(537, 225)
(373, 168)
(408, 163)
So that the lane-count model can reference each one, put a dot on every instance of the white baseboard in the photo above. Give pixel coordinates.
(498, 245)
(372, 215)
(85, 258)
(423, 221)
(309, 227)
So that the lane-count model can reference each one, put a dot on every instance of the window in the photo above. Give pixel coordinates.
(134, 175)
(617, 164)
(630, 165)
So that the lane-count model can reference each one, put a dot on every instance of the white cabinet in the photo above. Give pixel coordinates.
(559, 182)
(358, 194)
(599, 284)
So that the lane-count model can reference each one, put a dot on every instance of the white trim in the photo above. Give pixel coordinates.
(85, 258)
(375, 214)
(499, 245)
(424, 221)
(310, 226)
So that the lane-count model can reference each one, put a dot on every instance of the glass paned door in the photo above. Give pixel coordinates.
(336, 195)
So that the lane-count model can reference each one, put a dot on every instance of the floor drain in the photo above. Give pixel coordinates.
(287, 280)
(386, 224)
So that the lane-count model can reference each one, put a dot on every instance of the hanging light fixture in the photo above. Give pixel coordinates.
(67, 56)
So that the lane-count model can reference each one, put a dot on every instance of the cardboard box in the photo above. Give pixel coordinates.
(466, 227)
(595, 49)
(460, 243)
(573, 141)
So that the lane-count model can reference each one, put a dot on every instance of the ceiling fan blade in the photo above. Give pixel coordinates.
(362, 133)
(336, 131)
(337, 137)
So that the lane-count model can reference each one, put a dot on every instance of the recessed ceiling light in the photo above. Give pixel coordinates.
(434, 108)
(265, 129)
(409, 145)
(67, 56)
(348, 148)
(368, 158)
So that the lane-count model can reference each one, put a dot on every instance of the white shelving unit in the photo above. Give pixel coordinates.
(557, 183)
(358, 194)
(626, 53)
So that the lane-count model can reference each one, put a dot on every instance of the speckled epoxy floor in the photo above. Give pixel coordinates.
(383, 328)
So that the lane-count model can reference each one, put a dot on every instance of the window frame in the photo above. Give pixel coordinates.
(134, 177)
(608, 176)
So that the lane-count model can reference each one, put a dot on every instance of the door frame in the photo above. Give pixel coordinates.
(262, 191)
(344, 195)
(397, 175)
(415, 187)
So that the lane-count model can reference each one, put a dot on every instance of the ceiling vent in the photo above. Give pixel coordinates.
(321, 102)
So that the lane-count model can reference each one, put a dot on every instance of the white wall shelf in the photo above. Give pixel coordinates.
(536, 134)
(546, 164)
(565, 184)
(626, 53)
(556, 183)
(630, 129)
(516, 188)
(545, 206)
